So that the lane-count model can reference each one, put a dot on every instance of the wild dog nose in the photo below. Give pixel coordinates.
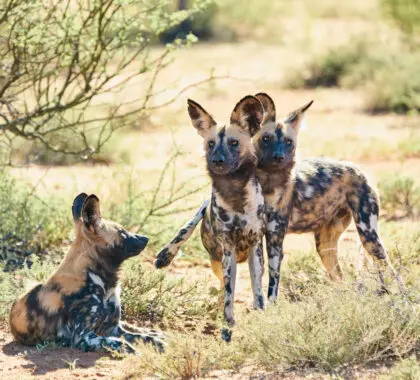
(278, 156)
(141, 241)
(218, 161)
(135, 244)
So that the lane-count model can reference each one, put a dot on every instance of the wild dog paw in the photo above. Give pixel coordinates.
(163, 258)
(226, 335)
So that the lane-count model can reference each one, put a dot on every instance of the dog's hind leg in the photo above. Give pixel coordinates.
(326, 241)
(365, 208)
(169, 251)
(216, 267)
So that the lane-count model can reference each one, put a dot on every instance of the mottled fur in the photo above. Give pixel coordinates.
(316, 195)
(79, 305)
(233, 224)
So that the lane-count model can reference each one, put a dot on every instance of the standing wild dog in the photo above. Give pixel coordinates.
(316, 195)
(79, 305)
(233, 225)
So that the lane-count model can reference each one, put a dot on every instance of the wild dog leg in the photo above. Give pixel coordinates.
(169, 251)
(229, 279)
(256, 270)
(87, 340)
(276, 230)
(146, 336)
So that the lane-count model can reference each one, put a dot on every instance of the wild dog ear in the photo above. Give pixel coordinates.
(248, 114)
(295, 118)
(91, 212)
(202, 121)
(268, 105)
(76, 208)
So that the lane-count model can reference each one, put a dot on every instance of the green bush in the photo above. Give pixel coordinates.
(394, 85)
(405, 14)
(400, 196)
(30, 224)
(406, 369)
(149, 295)
(388, 76)
(329, 69)
(326, 331)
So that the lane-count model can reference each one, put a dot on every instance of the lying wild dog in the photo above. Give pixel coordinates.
(316, 195)
(233, 224)
(79, 305)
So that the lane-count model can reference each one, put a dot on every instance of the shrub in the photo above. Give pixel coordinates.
(388, 77)
(328, 69)
(334, 327)
(400, 196)
(327, 330)
(394, 85)
(30, 224)
(148, 295)
(405, 14)
(406, 369)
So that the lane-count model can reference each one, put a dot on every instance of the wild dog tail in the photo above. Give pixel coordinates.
(169, 251)
(364, 204)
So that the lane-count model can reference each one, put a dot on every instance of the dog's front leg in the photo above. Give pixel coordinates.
(256, 270)
(276, 231)
(89, 341)
(229, 279)
(145, 336)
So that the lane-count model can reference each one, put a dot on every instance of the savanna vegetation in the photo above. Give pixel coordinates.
(93, 98)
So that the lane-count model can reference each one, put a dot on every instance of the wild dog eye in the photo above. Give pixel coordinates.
(123, 234)
(210, 144)
(266, 138)
(233, 142)
(289, 142)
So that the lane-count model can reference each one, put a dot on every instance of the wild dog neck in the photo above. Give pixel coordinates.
(85, 257)
(277, 187)
(233, 187)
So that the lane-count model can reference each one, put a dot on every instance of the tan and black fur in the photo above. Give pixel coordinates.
(79, 305)
(315, 195)
(233, 224)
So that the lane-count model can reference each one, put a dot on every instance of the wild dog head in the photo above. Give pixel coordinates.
(227, 148)
(275, 142)
(112, 242)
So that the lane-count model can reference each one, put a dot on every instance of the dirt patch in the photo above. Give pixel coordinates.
(23, 362)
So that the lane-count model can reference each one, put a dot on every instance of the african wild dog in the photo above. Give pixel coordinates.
(316, 195)
(233, 225)
(79, 305)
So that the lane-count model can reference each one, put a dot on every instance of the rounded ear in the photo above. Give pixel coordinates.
(202, 121)
(248, 114)
(295, 117)
(268, 105)
(76, 208)
(91, 212)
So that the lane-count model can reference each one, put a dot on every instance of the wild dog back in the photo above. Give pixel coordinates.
(79, 304)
